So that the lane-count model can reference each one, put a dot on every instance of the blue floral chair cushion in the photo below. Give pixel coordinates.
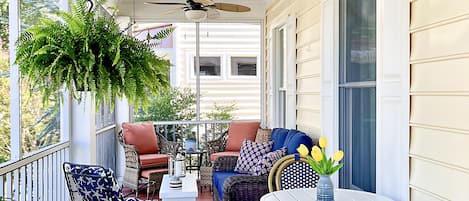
(92, 183)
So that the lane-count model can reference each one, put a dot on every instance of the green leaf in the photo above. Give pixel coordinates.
(335, 168)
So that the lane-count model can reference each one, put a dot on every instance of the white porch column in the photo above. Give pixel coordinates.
(83, 137)
(122, 115)
(330, 75)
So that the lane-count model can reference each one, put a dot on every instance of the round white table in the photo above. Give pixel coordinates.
(309, 194)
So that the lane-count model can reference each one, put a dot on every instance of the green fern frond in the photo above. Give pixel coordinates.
(87, 51)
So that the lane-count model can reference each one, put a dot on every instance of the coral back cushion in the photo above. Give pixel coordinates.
(142, 136)
(240, 131)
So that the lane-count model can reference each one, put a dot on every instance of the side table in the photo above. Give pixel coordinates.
(198, 164)
(188, 192)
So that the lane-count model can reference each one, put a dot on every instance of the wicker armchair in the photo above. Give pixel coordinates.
(239, 187)
(218, 144)
(229, 143)
(134, 170)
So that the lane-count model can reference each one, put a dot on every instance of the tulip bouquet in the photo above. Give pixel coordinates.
(318, 159)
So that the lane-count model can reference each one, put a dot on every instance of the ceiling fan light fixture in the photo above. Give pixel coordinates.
(196, 15)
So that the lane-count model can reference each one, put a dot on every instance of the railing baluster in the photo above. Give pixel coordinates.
(9, 186)
(50, 186)
(46, 179)
(35, 194)
(2, 187)
(29, 181)
(55, 181)
(22, 184)
(40, 179)
(16, 184)
(64, 188)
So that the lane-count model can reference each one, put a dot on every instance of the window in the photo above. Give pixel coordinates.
(5, 127)
(283, 102)
(244, 66)
(209, 66)
(40, 125)
(357, 94)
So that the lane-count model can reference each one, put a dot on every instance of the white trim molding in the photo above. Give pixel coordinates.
(330, 75)
(289, 25)
(392, 99)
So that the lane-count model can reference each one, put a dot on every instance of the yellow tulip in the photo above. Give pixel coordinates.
(323, 142)
(316, 154)
(303, 150)
(338, 155)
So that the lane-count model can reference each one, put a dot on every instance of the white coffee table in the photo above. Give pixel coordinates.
(188, 192)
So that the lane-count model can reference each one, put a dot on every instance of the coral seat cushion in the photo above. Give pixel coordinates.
(153, 159)
(214, 156)
(146, 173)
(240, 131)
(142, 136)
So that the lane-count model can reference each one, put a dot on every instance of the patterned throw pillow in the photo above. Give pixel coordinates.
(251, 152)
(267, 162)
(263, 135)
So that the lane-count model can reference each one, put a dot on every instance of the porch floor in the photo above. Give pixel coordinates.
(205, 193)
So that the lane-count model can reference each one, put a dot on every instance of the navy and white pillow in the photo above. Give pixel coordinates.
(250, 154)
(267, 162)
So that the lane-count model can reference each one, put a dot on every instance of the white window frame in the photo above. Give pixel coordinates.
(242, 77)
(289, 25)
(190, 65)
(392, 92)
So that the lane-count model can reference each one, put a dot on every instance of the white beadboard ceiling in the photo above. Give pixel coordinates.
(152, 13)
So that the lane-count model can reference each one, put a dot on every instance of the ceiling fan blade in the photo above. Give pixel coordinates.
(169, 12)
(205, 2)
(213, 13)
(166, 3)
(231, 7)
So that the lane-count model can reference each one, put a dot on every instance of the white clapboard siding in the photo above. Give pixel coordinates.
(225, 40)
(439, 129)
(308, 15)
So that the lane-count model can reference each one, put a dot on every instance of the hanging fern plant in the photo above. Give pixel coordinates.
(85, 51)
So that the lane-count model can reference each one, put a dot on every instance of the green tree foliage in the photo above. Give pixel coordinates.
(39, 125)
(4, 109)
(222, 112)
(172, 104)
(31, 12)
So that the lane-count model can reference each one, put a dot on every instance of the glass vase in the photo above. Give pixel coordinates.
(325, 189)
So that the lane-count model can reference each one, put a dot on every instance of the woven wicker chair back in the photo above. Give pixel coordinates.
(292, 172)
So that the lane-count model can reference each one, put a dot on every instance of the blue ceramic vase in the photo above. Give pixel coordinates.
(325, 189)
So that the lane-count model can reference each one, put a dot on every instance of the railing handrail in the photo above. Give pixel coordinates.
(13, 165)
(106, 128)
(199, 122)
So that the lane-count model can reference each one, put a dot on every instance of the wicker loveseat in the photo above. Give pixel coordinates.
(229, 185)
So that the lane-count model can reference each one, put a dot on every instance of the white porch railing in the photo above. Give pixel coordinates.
(38, 176)
(106, 147)
(203, 130)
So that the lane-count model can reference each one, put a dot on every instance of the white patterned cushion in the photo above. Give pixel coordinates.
(251, 152)
(265, 164)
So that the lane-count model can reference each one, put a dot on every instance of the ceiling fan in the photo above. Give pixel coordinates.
(197, 10)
